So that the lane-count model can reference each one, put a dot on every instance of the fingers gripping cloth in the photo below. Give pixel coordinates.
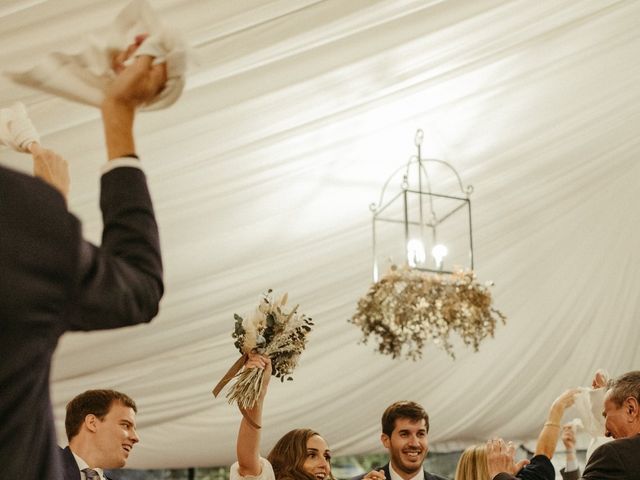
(16, 129)
(83, 77)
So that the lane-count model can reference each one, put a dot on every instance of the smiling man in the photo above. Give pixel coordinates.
(405, 429)
(615, 460)
(101, 428)
(621, 457)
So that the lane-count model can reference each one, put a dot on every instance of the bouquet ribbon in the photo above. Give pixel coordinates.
(235, 368)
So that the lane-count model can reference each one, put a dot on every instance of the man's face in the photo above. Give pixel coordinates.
(407, 445)
(621, 421)
(116, 435)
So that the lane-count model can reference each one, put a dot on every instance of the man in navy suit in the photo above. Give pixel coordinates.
(53, 281)
(101, 429)
(405, 429)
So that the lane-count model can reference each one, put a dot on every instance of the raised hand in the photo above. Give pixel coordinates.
(501, 458)
(565, 400)
(50, 167)
(264, 363)
(568, 437)
(375, 475)
(135, 84)
(600, 379)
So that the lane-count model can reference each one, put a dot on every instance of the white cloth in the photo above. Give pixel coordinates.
(588, 406)
(265, 474)
(83, 77)
(16, 129)
(120, 162)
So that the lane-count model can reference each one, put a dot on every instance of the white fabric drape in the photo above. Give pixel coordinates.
(293, 115)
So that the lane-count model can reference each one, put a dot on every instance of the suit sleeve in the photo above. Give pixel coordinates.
(605, 463)
(120, 282)
(572, 475)
(540, 468)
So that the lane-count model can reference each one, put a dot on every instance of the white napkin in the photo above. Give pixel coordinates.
(83, 77)
(16, 129)
(588, 406)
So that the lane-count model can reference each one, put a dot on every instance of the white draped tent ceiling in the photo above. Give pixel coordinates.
(294, 114)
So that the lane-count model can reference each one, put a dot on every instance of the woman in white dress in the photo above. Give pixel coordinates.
(301, 454)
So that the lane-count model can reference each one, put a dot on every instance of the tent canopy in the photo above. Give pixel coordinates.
(294, 114)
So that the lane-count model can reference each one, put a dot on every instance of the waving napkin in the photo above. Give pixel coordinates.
(16, 129)
(588, 408)
(83, 77)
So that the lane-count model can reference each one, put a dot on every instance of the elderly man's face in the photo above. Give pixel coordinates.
(621, 421)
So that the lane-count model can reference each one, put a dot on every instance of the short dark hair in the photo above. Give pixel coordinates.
(96, 402)
(403, 409)
(625, 386)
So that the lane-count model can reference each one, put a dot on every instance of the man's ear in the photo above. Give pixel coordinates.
(386, 441)
(91, 422)
(632, 408)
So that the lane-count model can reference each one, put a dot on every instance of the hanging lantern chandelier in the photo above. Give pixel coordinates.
(429, 289)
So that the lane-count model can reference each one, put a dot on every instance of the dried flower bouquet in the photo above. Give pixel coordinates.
(273, 331)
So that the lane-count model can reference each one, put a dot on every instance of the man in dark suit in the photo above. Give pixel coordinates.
(101, 429)
(53, 281)
(616, 460)
(405, 428)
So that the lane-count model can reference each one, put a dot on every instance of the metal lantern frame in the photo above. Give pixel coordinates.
(427, 220)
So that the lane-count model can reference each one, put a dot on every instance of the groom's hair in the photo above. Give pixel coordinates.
(403, 409)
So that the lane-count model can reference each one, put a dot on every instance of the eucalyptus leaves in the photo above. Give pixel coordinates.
(407, 308)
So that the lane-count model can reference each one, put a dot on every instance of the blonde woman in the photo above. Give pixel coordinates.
(473, 461)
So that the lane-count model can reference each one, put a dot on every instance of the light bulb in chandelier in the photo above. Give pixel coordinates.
(415, 252)
(438, 252)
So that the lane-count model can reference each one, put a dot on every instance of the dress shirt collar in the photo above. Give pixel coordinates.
(396, 476)
(82, 465)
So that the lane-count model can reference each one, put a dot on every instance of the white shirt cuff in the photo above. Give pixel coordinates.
(572, 465)
(121, 162)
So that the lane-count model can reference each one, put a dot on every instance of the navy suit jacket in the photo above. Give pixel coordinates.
(616, 460)
(52, 281)
(69, 465)
(387, 474)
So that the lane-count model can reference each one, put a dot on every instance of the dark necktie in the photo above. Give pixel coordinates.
(91, 474)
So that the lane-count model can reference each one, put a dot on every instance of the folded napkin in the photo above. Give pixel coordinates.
(83, 77)
(16, 129)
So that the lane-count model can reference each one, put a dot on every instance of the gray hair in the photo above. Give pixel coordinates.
(625, 386)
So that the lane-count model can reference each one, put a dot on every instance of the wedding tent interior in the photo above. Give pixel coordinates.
(293, 115)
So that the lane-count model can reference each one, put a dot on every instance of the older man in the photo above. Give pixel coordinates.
(616, 460)
(405, 429)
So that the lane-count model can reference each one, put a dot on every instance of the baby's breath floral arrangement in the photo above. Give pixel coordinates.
(407, 308)
(274, 331)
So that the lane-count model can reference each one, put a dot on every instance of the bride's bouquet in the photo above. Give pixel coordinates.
(273, 331)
